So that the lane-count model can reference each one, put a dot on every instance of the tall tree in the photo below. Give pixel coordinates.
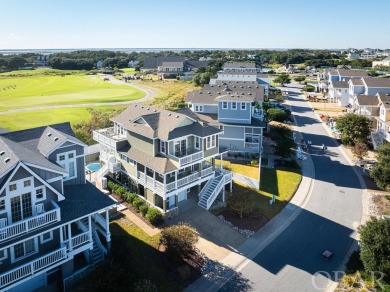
(354, 128)
(381, 171)
(241, 202)
(375, 245)
(16, 62)
(282, 79)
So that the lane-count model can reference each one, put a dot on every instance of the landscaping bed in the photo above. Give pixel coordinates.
(252, 223)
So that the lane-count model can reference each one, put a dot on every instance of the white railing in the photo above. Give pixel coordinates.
(187, 179)
(80, 239)
(30, 224)
(32, 267)
(190, 158)
(98, 242)
(114, 166)
(148, 181)
(251, 145)
(103, 139)
(141, 177)
(102, 172)
(169, 187)
(206, 171)
(215, 193)
(104, 155)
(101, 220)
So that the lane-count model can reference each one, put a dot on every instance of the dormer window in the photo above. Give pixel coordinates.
(199, 108)
(68, 162)
(163, 147)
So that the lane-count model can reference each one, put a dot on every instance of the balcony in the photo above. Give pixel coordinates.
(109, 138)
(251, 145)
(33, 267)
(30, 224)
(187, 157)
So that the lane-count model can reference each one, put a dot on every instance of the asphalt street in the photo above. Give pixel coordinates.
(328, 220)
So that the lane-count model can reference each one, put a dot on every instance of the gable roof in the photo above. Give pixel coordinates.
(154, 62)
(377, 82)
(15, 153)
(339, 84)
(352, 73)
(367, 99)
(384, 99)
(172, 64)
(235, 65)
(345, 67)
(357, 82)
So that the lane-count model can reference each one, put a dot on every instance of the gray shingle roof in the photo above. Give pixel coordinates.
(228, 65)
(18, 153)
(212, 119)
(384, 98)
(173, 64)
(158, 163)
(358, 82)
(367, 99)
(340, 84)
(352, 73)
(154, 62)
(377, 82)
(234, 72)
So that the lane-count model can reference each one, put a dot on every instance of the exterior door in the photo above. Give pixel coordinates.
(182, 196)
(21, 207)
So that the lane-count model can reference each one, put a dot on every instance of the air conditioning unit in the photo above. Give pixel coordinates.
(104, 182)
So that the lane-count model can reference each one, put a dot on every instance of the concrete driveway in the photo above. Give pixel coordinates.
(216, 238)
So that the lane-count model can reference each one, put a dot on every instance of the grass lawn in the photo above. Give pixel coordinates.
(42, 90)
(134, 256)
(241, 168)
(282, 182)
(37, 118)
(169, 92)
(128, 70)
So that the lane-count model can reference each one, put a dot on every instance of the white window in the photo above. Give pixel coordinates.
(234, 105)
(39, 194)
(224, 105)
(12, 187)
(68, 162)
(47, 237)
(163, 147)
(210, 142)
(197, 142)
(3, 254)
(24, 249)
(131, 161)
(181, 170)
(172, 174)
(221, 128)
(243, 106)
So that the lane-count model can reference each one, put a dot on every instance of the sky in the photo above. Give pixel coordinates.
(63, 24)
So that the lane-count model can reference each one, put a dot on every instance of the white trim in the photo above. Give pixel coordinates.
(235, 103)
(243, 103)
(46, 240)
(199, 142)
(54, 179)
(43, 192)
(36, 249)
(234, 119)
(226, 138)
(66, 163)
(44, 168)
(66, 140)
(5, 250)
(227, 106)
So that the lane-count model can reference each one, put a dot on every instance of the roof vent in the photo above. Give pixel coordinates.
(2, 152)
(218, 92)
(142, 106)
(177, 116)
(249, 86)
(48, 134)
(250, 93)
(7, 159)
(148, 108)
(169, 114)
(211, 85)
(155, 111)
(200, 92)
(55, 138)
(234, 86)
(208, 92)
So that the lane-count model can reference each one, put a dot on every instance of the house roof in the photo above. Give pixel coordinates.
(384, 98)
(357, 82)
(367, 99)
(212, 119)
(377, 82)
(158, 123)
(345, 67)
(172, 64)
(339, 84)
(32, 145)
(234, 72)
(15, 153)
(154, 62)
(235, 65)
(352, 73)
(197, 64)
(158, 163)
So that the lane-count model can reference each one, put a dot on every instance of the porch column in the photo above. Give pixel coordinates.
(175, 179)
(61, 235)
(90, 227)
(108, 234)
(223, 194)
(164, 182)
(70, 238)
(154, 179)
(231, 185)
(220, 165)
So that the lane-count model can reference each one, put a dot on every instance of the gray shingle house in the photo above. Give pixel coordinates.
(232, 107)
(50, 216)
(164, 156)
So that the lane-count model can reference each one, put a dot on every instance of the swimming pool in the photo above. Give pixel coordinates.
(93, 166)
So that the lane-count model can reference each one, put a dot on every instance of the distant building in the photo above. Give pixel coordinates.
(353, 56)
(133, 63)
(42, 61)
(384, 63)
(99, 64)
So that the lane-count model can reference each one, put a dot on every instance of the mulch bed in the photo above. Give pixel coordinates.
(132, 210)
(247, 223)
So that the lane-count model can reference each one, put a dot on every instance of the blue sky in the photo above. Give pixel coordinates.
(38, 24)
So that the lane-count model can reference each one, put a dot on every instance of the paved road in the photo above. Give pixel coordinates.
(149, 95)
(328, 220)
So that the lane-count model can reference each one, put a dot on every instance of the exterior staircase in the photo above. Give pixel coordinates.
(377, 139)
(97, 253)
(212, 189)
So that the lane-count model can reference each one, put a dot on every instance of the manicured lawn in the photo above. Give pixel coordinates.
(241, 168)
(43, 90)
(36, 118)
(128, 71)
(134, 256)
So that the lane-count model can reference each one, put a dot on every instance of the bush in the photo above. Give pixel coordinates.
(279, 98)
(131, 197)
(308, 88)
(137, 203)
(143, 209)
(145, 285)
(276, 115)
(154, 216)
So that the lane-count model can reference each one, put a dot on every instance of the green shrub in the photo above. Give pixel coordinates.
(279, 98)
(154, 216)
(308, 88)
(131, 197)
(143, 209)
(121, 191)
(137, 203)
(111, 186)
